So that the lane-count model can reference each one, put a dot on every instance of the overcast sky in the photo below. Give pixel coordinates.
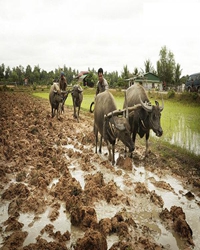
(104, 33)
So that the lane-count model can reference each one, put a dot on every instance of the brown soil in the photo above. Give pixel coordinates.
(32, 156)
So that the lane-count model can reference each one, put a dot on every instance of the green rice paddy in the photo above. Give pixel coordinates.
(180, 120)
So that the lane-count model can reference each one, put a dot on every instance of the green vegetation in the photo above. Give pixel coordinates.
(180, 116)
(177, 100)
(88, 97)
(167, 71)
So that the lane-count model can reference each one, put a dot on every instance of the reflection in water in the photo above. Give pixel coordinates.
(179, 133)
(184, 137)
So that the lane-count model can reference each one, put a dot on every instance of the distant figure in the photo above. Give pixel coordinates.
(62, 82)
(164, 85)
(102, 84)
(25, 81)
(193, 89)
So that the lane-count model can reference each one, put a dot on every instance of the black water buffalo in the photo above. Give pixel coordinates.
(77, 98)
(55, 100)
(111, 124)
(146, 116)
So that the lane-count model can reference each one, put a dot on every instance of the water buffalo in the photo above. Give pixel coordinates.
(146, 116)
(77, 98)
(111, 124)
(55, 100)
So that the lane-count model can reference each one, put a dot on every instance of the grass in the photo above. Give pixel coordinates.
(88, 97)
(179, 120)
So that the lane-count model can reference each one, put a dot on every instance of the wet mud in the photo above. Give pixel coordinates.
(56, 193)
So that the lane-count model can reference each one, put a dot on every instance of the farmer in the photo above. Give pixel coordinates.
(63, 86)
(62, 82)
(102, 84)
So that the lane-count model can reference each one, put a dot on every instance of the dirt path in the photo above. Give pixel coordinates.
(56, 193)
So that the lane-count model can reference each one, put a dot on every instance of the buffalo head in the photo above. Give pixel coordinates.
(118, 127)
(154, 114)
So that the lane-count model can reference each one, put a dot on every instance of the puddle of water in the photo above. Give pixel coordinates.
(78, 175)
(144, 212)
(62, 224)
(71, 146)
(3, 216)
(111, 239)
(105, 210)
(190, 207)
(143, 209)
(54, 181)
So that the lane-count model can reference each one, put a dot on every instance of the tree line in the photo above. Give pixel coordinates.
(166, 69)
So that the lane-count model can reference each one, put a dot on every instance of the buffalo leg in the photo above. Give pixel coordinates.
(74, 105)
(147, 144)
(113, 154)
(109, 151)
(51, 112)
(78, 113)
(63, 102)
(59, 110)
(100, 144)
(133, 139)
(96, 138)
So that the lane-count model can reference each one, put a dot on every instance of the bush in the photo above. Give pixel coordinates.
(194, 96)
(34, 86)
(171, 93)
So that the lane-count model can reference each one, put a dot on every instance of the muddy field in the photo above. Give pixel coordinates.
(56, 193)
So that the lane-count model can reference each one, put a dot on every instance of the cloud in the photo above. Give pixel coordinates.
(82, 34)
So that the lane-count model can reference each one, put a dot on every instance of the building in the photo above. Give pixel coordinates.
(148, 80)
(81, 77)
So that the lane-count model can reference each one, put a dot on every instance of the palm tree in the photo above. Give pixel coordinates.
(125, 72)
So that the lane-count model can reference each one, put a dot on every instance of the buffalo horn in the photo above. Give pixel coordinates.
(161, 108)
(114, 113)
(145, 106)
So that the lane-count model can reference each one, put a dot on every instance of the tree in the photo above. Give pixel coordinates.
(120, 82)
(112, 78)
(136, 71)
(36, 74)
(19, 70)
(14, 76)
(148, 67)
(125, 73)
(29, 74)
(91, 79)
(2, 69)
(177, 74)
(166, 65)
(7, 73)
